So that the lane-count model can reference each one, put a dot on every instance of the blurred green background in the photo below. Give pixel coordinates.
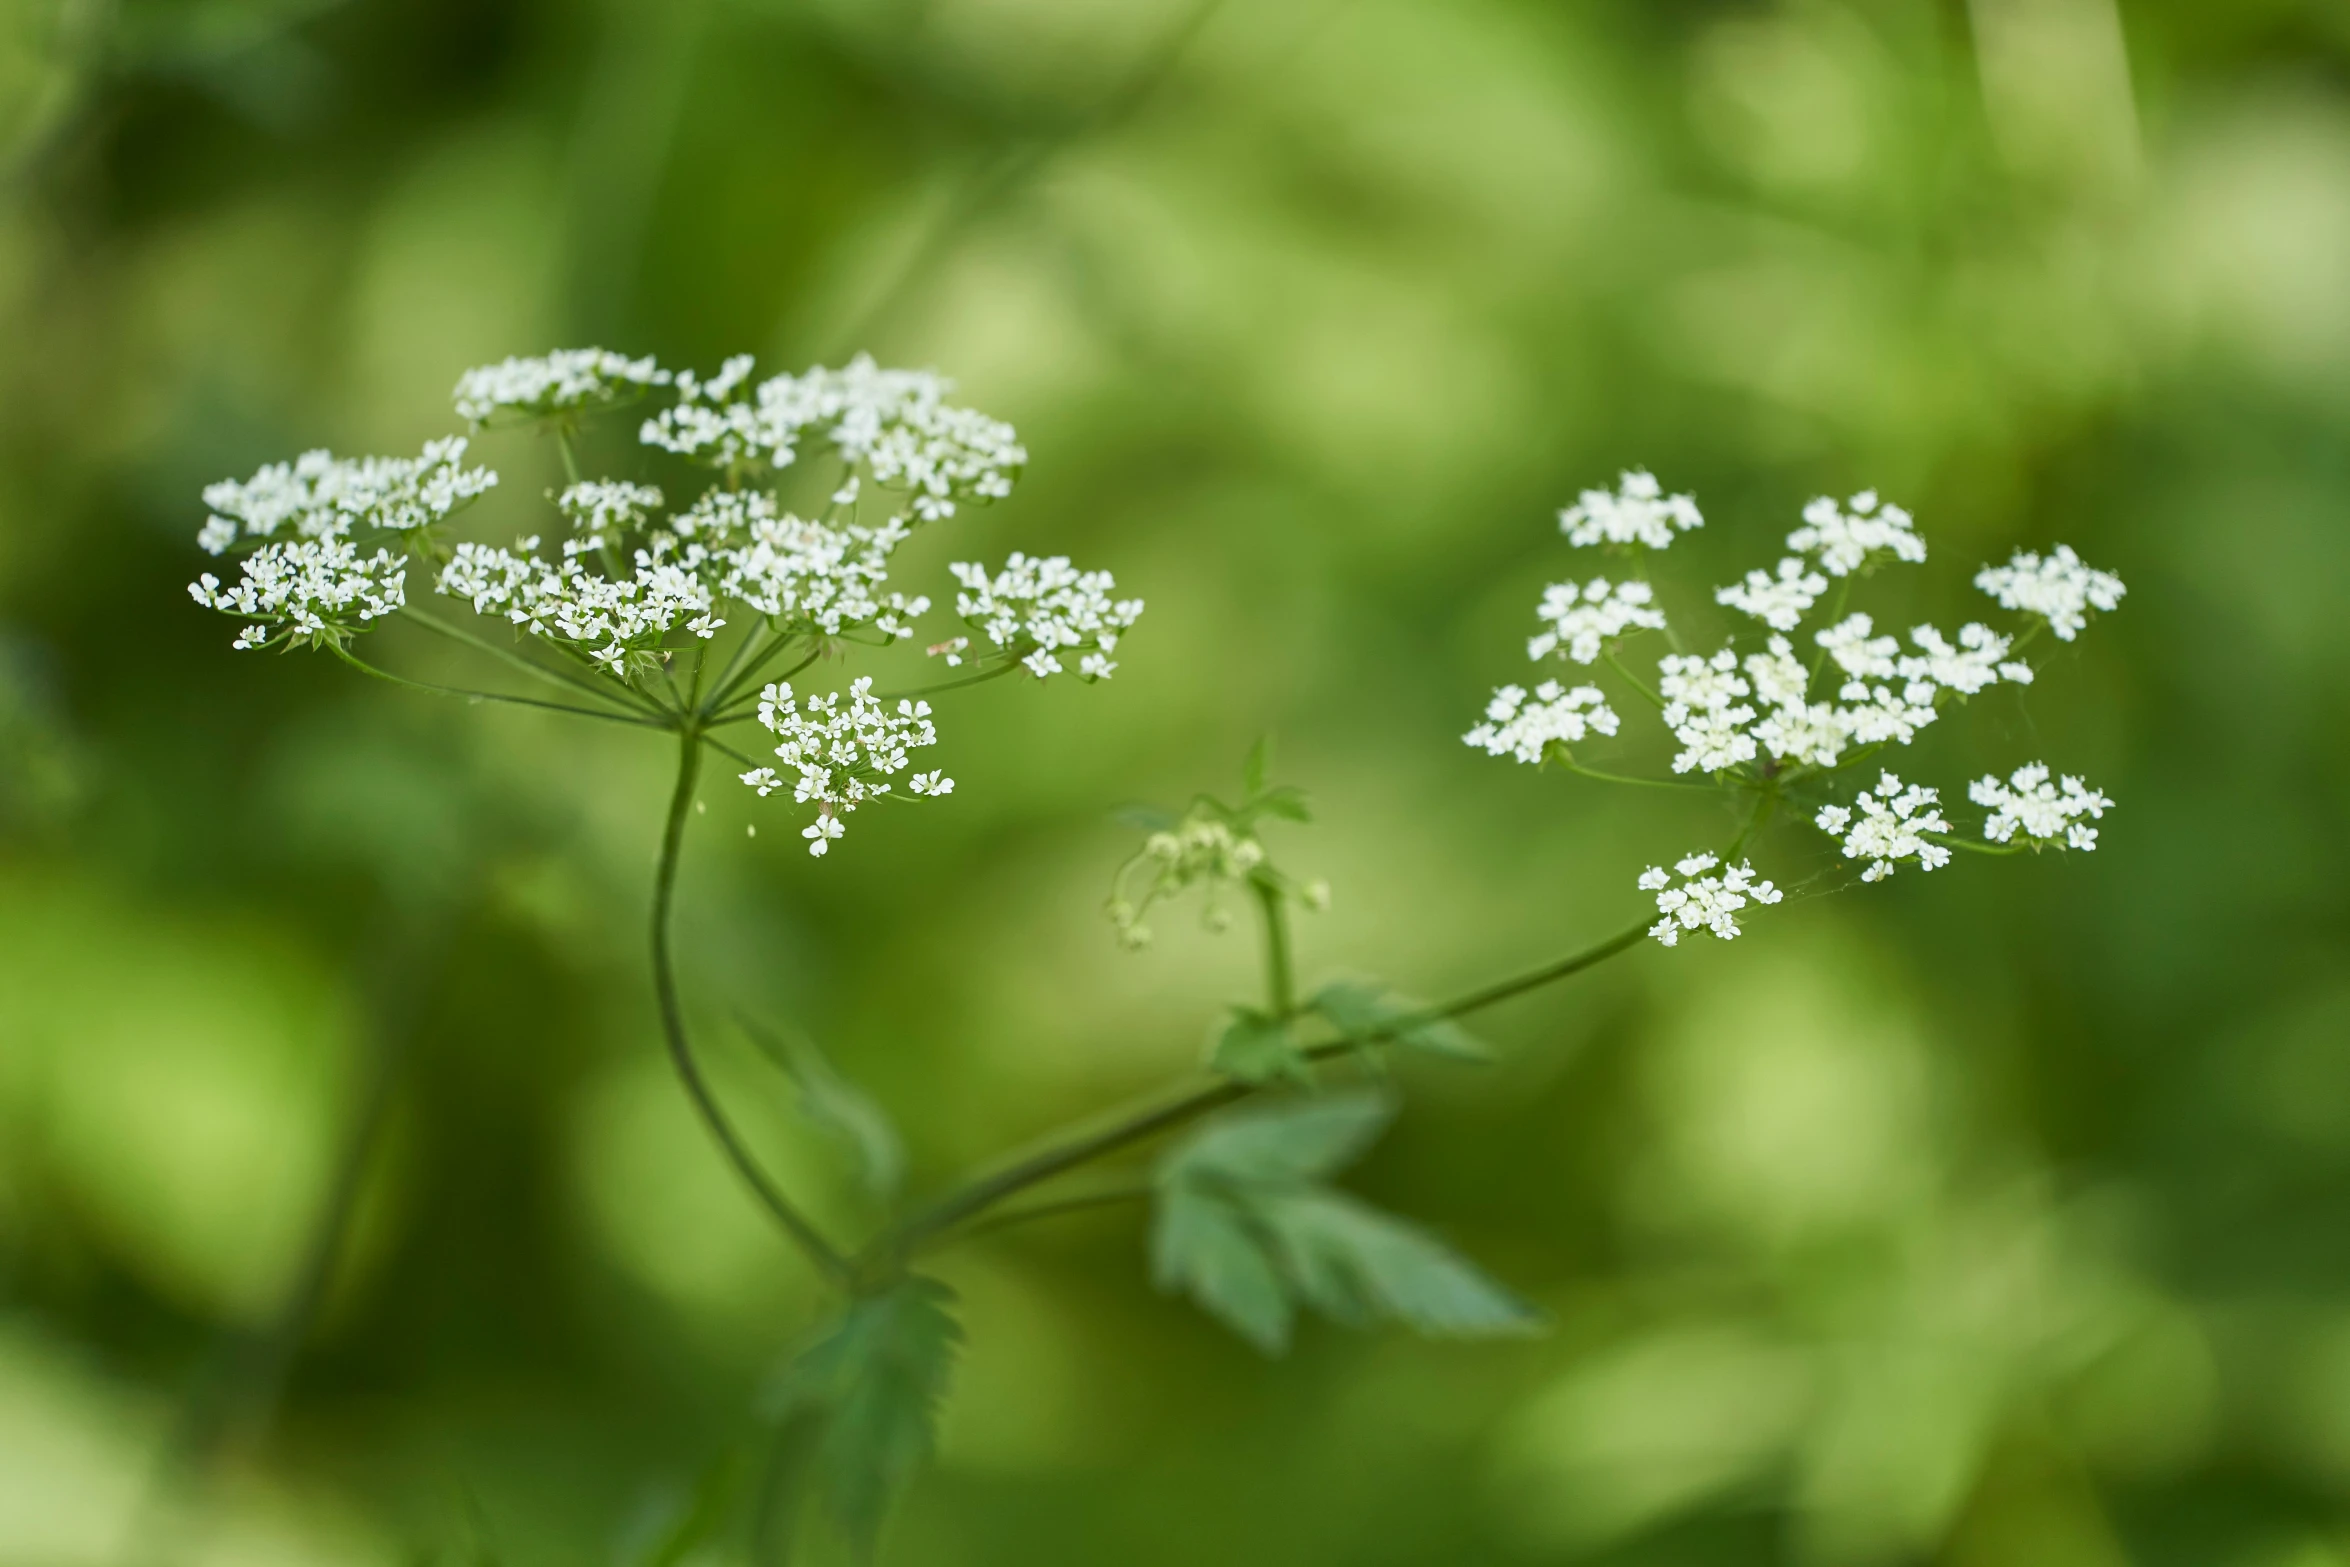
(1998, 1217)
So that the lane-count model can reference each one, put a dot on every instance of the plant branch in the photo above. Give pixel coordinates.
(1578, 768)
(1280, 988)
(609, 715)
(602, 689)
(1082, 1202)
(1000, 670)
(795, 1224)
(1072, 1150)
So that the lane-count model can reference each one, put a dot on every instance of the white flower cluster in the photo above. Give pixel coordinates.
(570, 380)
(1526, 729)
(1780, 602)
(2060, 588)
(810, 576)
(1842, 541)
(1584, 619)
(1703, 901)
(843, 756)
(2043, 812)
(1639, 512)
(324, 496)
(1040, 609)
(319, 588)
(1890, 827)
(602, 513)
(896, 422)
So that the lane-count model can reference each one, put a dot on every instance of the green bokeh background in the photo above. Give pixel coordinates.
(1997, 1217)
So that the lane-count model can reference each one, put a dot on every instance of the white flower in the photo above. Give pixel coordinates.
(1780, 604)
(803, 575)
(2060, 588)
(1702, 901)
(840, 757)
(1638, 513)
(1040, 608)
(1891, 827)
(1880, 715)
(1856, 652)
(1703, 711)
(319, 588)
(1978, 660)
(1583, 620)
(1780, 680)
(602, 514)
(324, 496)
(1515, 726)
(2041, 811)
(896, 422)
(570, 380)
(1842, 541)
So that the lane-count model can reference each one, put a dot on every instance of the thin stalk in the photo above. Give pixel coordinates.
(2000, 849)
(1083, 1202)
(723, 686)
(1578, 768)
(563, 445)
(1633, 680)
(804, 1233)
(609, 715)
(1280, 987)
(749, 707)
(1009, 666)
(722, 714)
(1835, 615)
(1073, 1150)
(528, 666)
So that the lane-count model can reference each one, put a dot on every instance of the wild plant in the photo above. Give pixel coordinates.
(697, 621)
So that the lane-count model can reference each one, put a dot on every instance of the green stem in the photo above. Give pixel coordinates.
(795, 1224)
(1009, 666)
(749, 706)
(1633, 680)
(609, 715)
(2000, 849)
(1074, 1150)
(563, 445)
(1835, 615)
(605, 689)
(1578, 768)
(1280, 987)
(1081, 1203)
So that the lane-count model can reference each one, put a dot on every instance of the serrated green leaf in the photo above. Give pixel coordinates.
(1202, 1246)
(1357, 1265)
(1363, 1007)
(1258, 771)
(1288, 802)
(873, 1386)
(837, 1107)
(1255, 1048)
(1284, 1143)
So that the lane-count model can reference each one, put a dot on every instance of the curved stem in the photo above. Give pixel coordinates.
(1080, 1203)
(2001, 849)
(735, 715)
(1071, 1151)
(795, 1224)
(605, 689)
(1578, 768)
(609, 715)
(1633, 680)
(1007, 667)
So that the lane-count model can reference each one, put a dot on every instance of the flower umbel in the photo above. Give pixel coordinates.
(1036, 610)
(841, 757)
(2042, 812)
(1638, 512)
(1702, 900)
(1585, 619)
(1527, 728)
(1891, 826)
(2060, 588)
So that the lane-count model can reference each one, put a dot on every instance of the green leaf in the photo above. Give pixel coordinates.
(1259, 769)
(1358, 1265)
(1288, 802)
(1362, 1007)
(838, 1107)
(1201, 1245)
(1247, 1229)
(872, 1388)
(1286, 1143)
(1255, 1048)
